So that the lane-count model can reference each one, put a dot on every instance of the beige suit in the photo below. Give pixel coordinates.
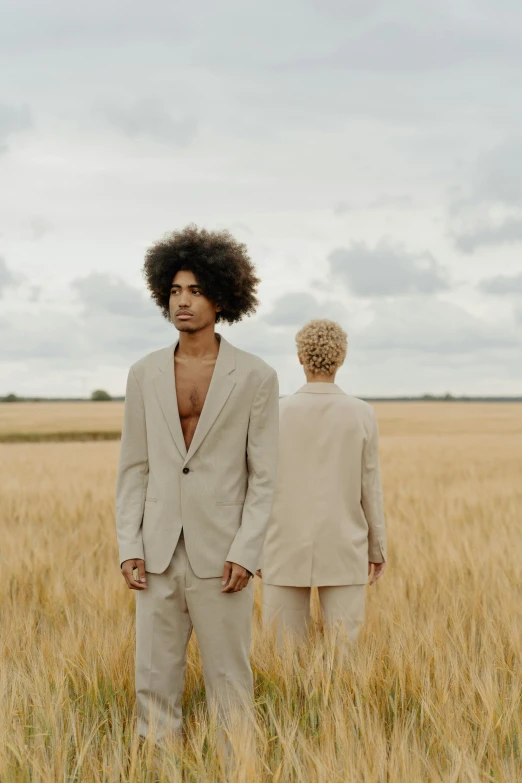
(327, 519)
(219, 493)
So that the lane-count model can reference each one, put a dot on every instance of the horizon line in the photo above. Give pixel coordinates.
(427, 397)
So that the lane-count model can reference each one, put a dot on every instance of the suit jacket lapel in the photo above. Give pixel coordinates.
(218, 393)
(165, 384)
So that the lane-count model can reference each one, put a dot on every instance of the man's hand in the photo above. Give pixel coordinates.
(259, 573)
(378, 571)
(128, 567)
(235, 578)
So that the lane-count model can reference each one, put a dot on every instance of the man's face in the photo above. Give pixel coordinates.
(190, 310)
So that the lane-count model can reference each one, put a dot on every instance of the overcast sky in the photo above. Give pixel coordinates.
(369, 153)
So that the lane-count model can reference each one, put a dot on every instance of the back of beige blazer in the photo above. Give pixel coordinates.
(327, 521)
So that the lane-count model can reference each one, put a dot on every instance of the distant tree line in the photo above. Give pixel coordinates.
(99, 395)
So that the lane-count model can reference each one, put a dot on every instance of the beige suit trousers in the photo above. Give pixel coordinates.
(176, 602)
(288, 609)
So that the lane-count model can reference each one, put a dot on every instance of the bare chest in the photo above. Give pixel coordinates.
(192, 385)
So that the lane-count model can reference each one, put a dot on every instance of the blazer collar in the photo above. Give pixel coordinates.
(219, 391)
(320, 388)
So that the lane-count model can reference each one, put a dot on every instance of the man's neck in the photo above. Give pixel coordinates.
(318, 378)
(198, 345)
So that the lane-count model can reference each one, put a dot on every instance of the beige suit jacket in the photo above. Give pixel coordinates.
(220, 491)
(327, 519)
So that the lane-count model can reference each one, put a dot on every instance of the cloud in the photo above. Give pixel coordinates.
(38, 228)
(44, 334)
(20, 287)
(102, 293)
(255, 336)
(341, 208)
(488, 212)
(506, 233)
(34, 293)
(431, 326)
(389, 201)
(502, 285)
(384, 201)
(13, 119)
(499, 174)
(115, 323)
(386, 270)
(296, 309)
(152, 119)
(416, 38)
(411, 37)
(7, 277)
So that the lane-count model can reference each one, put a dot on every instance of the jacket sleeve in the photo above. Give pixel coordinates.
(262, 452)
(133, 474)
(371, 495)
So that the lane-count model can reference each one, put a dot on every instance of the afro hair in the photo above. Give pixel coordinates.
(220, 264)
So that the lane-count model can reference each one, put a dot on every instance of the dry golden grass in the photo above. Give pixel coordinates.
(414, 418)
(44, 418)
(432, 693)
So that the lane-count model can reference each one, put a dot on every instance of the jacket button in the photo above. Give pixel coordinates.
(186, 470)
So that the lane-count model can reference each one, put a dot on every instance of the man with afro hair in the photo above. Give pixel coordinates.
(196, 478)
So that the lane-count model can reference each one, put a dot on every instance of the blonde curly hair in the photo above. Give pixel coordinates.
(321, 345)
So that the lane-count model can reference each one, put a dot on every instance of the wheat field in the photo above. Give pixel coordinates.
(431, 693)
(37, 421)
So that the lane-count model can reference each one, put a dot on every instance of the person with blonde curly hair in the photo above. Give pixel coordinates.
(327, 525)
